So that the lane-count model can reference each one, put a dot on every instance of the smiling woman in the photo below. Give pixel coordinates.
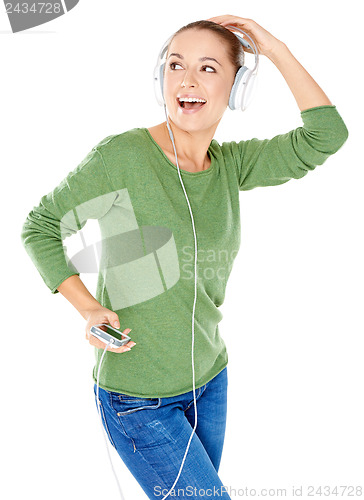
(153, 397)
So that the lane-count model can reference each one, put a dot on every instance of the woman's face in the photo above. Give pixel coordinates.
(187, 74)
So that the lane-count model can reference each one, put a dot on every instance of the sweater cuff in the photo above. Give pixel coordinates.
(319, 107)
(326, 122)
(53, 288)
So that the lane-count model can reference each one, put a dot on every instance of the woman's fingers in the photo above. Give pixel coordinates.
(228, 19)
(265, 42)
(124, 348)
(102, 315)
(100, 345)
(95, 342)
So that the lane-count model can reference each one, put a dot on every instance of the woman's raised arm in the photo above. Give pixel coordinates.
(306, 91)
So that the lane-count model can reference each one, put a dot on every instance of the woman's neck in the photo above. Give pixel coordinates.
(191, 147)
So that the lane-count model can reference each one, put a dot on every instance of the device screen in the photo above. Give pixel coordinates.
(112, 332)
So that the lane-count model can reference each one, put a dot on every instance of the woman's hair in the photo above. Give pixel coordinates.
(234, 47)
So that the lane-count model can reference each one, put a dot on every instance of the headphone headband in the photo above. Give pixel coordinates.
(245, 78)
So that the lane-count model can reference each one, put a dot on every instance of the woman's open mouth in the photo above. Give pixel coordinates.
(190, 104)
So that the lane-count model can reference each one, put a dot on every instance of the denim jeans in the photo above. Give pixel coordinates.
(151, 436)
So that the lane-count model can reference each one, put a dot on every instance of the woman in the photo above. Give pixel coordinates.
(129, 182)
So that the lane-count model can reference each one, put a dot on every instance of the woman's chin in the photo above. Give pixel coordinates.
(194, 125)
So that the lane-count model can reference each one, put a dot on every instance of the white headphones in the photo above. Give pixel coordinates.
(244, 83)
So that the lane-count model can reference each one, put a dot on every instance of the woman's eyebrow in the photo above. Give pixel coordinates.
(201, 58)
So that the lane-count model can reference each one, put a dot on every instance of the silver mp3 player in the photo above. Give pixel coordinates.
(105, 333)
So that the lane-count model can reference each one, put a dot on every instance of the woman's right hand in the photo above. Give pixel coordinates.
(106, 316)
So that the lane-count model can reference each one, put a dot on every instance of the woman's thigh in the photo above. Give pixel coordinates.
(211, 416)
(151, 437)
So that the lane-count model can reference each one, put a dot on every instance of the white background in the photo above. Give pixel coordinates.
(293, 321)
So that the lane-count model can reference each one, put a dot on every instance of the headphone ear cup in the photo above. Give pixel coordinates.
(249, 90)
(235, 89)
(158, 83)
(238, 89)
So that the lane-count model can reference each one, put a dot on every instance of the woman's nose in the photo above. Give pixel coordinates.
(189, 80)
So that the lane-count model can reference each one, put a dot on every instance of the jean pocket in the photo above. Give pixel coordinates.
(125, 404)
(146, 421)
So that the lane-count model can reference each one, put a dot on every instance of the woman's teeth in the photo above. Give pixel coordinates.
(192, 102)
(191, 99)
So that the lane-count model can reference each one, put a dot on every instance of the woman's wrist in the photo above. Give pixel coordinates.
(278, 51)
(77, 294)
(306, 91)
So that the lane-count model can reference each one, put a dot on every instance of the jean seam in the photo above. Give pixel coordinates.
(120, 422)
(106, 425)
(166, 486)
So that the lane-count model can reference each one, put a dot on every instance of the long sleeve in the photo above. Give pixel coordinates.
(270, 162)
(85, 193)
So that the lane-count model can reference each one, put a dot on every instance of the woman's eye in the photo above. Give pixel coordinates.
(172, 65)
(210, 67)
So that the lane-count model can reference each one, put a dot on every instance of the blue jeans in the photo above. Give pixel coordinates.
(151, 436)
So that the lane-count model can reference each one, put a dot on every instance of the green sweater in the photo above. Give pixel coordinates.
(146, 259)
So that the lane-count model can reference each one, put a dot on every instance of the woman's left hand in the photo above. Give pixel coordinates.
(266, 43)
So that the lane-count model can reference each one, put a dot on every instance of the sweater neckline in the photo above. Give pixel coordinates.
(171, 164)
